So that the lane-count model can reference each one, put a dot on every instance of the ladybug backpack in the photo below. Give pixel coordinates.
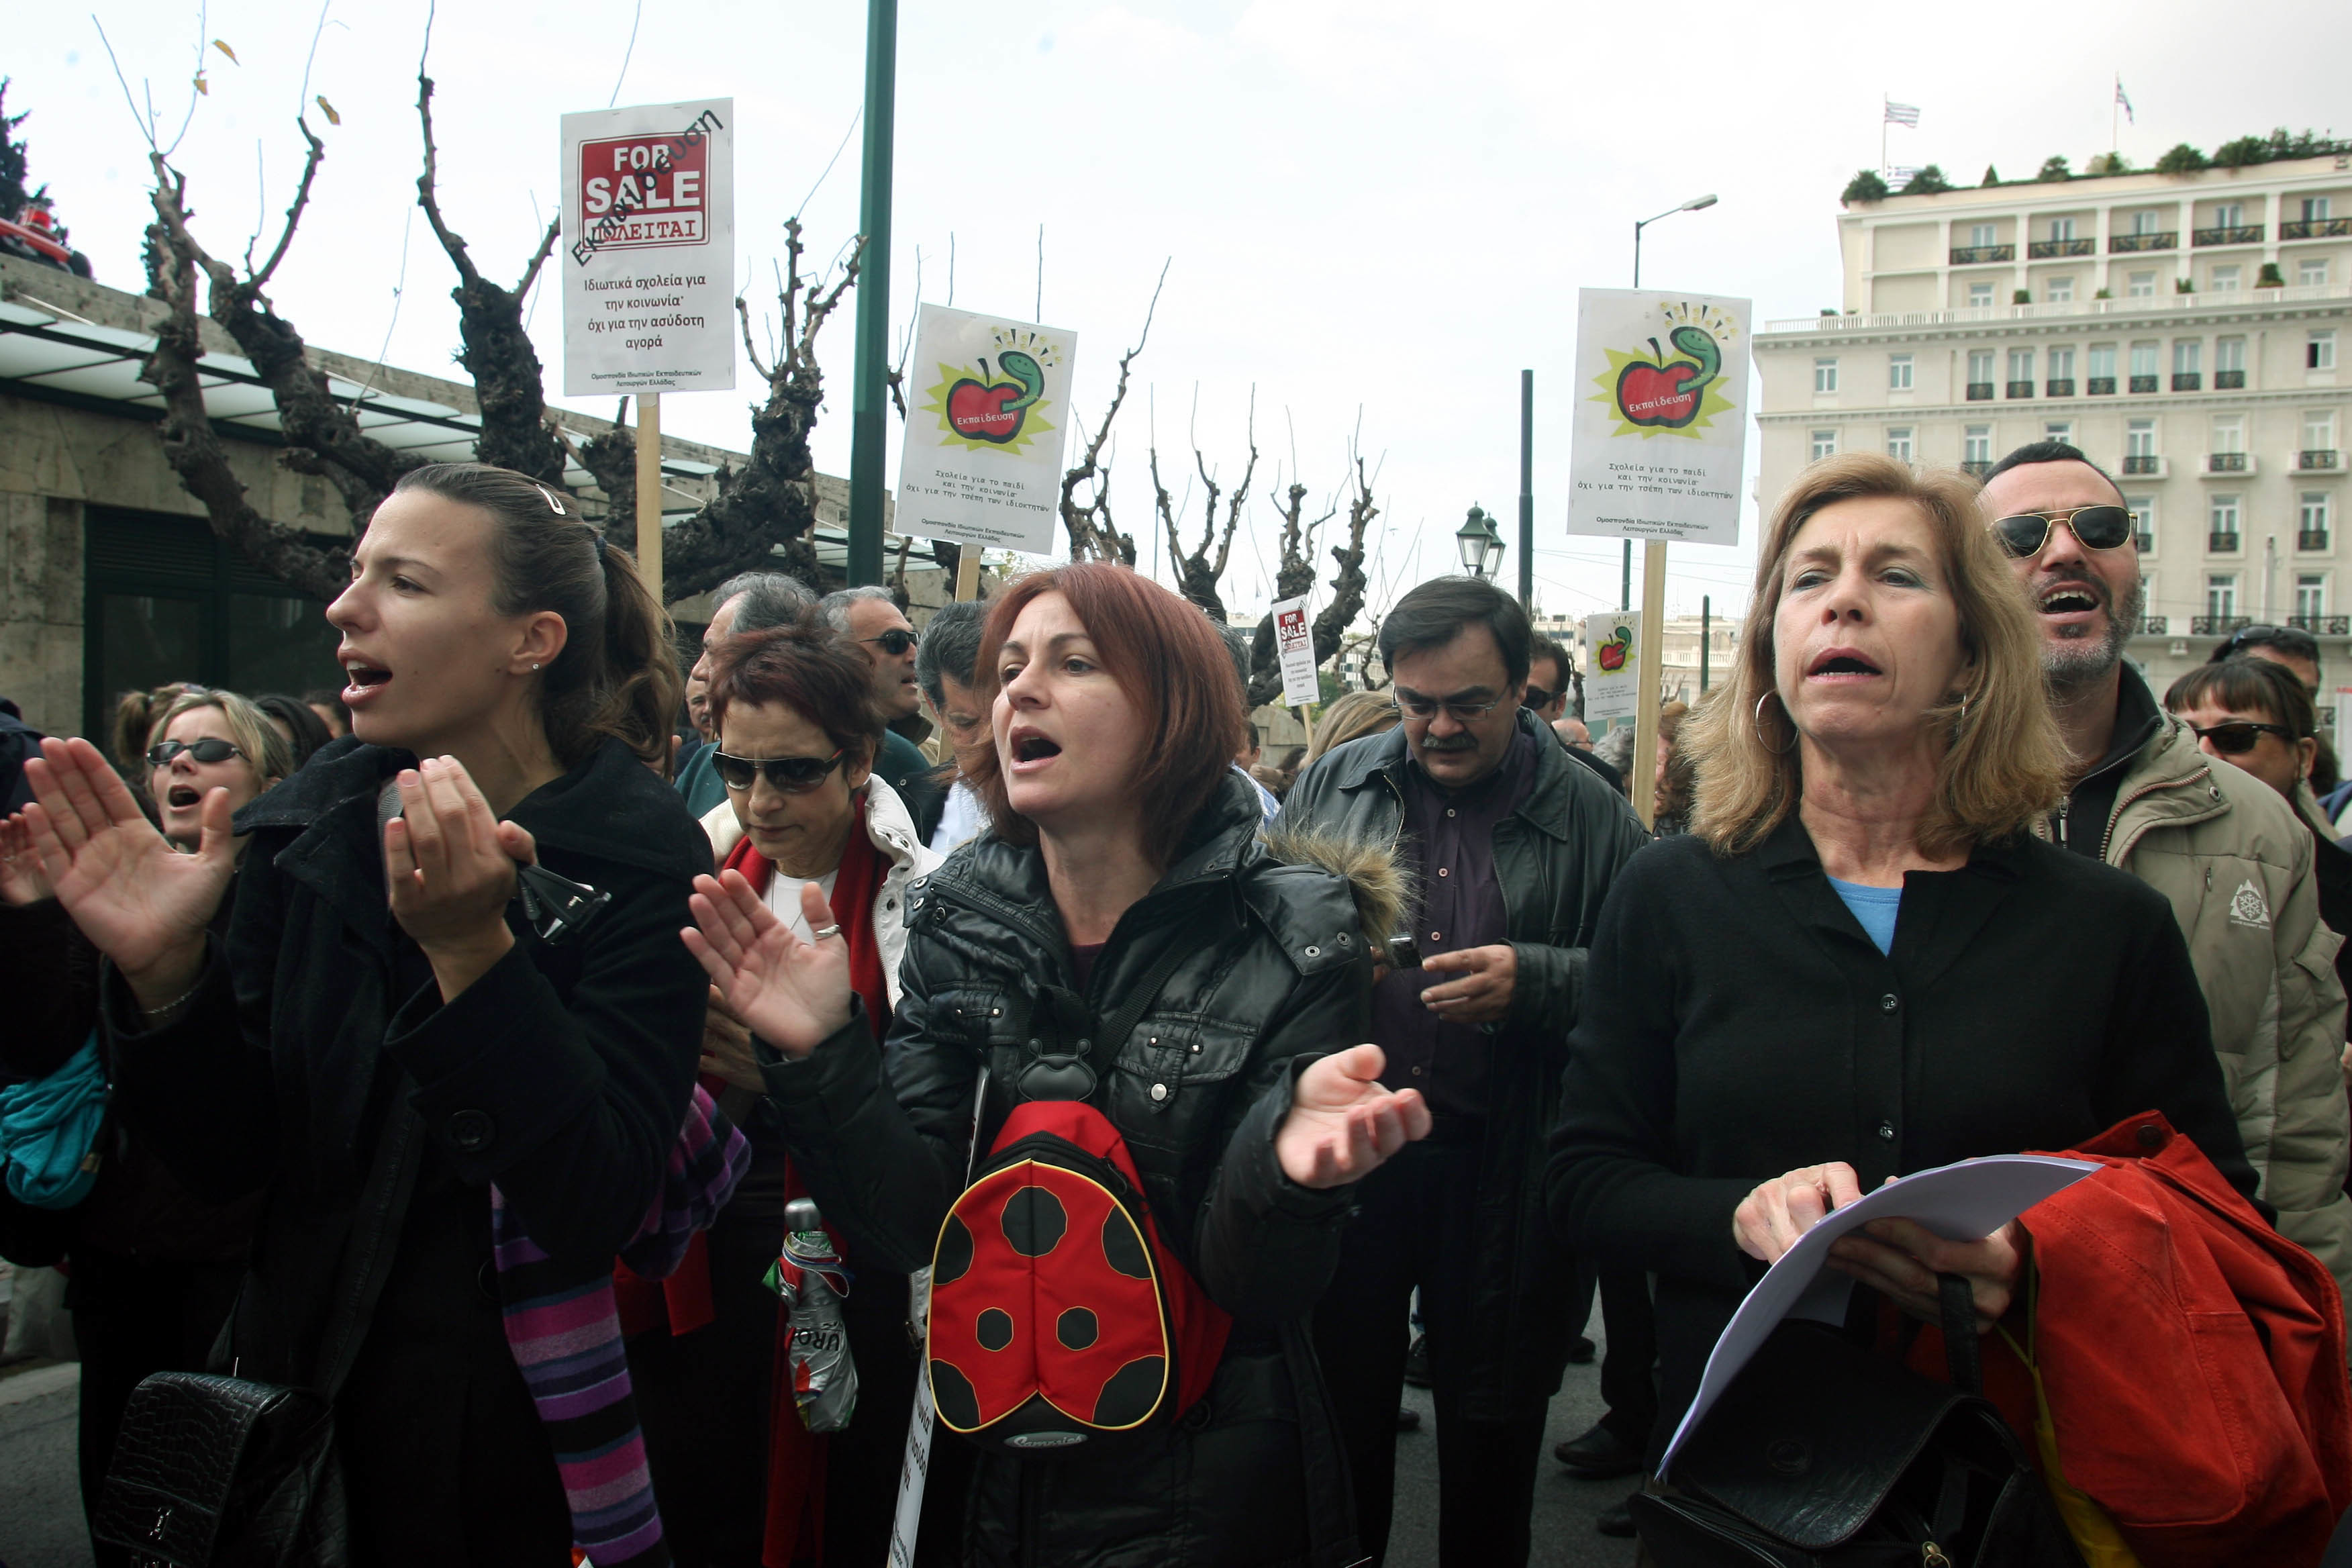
(1058, 1316)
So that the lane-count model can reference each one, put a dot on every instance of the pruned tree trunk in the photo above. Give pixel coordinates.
(1094, 536)
(1198, 571)
(1296, 575)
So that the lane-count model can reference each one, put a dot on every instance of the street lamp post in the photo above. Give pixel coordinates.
(1480, 546)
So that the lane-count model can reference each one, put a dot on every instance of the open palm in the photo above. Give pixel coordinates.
(791, 992)
(139, 902)
(1342, 1124)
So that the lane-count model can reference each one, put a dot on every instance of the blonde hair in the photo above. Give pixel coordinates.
(2005, 762)
(1351, 716)
(266, 750)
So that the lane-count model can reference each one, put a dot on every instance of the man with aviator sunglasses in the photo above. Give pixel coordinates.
(2228, 853)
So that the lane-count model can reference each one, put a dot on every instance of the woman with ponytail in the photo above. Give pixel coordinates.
(408, 1050)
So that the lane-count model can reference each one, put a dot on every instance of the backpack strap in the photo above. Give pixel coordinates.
(1064, 1072)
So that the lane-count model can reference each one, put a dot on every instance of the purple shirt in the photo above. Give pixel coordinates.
(1447, 843)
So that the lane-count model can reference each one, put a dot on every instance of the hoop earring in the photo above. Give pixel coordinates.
(1760, 737)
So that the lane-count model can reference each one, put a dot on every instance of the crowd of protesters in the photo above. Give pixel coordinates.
(621, 1095)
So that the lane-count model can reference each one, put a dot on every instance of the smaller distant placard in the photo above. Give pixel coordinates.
(1293, 642)
(988, 405)
(1612, 648)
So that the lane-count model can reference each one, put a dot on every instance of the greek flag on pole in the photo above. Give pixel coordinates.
(1903, 114)
(2123, 99)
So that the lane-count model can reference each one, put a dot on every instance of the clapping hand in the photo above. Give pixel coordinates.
(449, 866)
(793, 994)
(1342, 1125)
(21, 878)
(139, 902)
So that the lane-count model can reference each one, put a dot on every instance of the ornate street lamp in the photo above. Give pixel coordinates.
(1481, 546)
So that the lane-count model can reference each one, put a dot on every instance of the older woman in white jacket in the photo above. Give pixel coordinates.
(792, 708)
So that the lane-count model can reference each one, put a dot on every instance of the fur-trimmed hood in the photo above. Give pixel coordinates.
(1378, 883)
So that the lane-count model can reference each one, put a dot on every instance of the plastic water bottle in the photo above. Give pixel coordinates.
(811, 1279)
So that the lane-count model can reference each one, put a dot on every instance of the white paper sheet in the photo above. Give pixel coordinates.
(1959, 1203)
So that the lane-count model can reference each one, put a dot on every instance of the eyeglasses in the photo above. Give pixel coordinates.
(1414, 707)
(2097, 527)
(1538, 697)
(2236, 736)
(211, 749)
(896, 642)
(793, 775)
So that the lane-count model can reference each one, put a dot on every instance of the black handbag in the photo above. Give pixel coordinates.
(1821, 1455)
(227, 1472)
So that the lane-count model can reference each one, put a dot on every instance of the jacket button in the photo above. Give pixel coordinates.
(471, 1131)
(1886, 1132)
(1887, 1004)
(1159, 1091)
(2150, 1135)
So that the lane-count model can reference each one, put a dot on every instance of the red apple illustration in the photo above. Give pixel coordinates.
(977, 412)
(1610, 655)
(1667, 395)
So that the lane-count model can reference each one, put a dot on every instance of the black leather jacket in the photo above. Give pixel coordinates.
(1276, 974)
(1556, 859)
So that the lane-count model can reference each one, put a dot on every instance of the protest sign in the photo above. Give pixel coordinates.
(988, 402)
(647, 263)
(1658, 443)
(1612, 680)
(1294, 643)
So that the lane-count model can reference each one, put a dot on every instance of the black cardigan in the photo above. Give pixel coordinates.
(1739, 1024)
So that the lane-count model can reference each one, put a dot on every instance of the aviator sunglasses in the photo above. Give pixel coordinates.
(2236, 736)
(2098, 527)
(896, 641)
(793, 775)
(211, 749)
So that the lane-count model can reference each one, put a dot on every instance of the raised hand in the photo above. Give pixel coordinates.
(139, 902)
(22, 881)
(1342, 1124)
(791, 992)
(449, 866)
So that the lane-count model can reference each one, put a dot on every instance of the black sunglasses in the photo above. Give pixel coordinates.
(793, 775)
(2098, 528)
(1538, 697)
(2236, 736)
(896, 641)
(2291, 640)
(209, 750)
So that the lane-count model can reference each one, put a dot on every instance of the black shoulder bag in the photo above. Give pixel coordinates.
(226, 1472)
(1821, 1455)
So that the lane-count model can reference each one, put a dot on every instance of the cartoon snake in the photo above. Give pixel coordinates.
(1701, 347)
(1026, 370)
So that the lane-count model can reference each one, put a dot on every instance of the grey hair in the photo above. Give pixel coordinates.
(767, 599)
(951, 646)
(837, 603)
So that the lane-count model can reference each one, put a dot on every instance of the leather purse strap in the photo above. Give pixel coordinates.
(1963, 1352)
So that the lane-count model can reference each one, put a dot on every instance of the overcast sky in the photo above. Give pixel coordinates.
(1375, 209)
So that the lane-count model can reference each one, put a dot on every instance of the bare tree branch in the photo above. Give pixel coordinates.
(1093, 535)
(1296, 575)
(1198, 571)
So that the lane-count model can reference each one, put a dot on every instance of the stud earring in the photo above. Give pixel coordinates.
(534, 667)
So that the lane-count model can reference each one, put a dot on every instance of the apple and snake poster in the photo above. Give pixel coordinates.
(1661, 425)
(988, 411)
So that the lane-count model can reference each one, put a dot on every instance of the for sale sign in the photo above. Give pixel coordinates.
(649, 264)
(1294, 643)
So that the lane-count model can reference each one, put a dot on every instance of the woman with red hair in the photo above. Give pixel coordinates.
(1123, 877)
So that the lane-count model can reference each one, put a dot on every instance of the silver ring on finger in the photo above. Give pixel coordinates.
(824, 933)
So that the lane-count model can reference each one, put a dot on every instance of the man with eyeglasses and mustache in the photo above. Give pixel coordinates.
(1511, 848)
(2226, 850)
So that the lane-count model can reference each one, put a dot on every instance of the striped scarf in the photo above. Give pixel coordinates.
(565, 1331)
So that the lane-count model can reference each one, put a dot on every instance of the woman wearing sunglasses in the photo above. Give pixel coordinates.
(792, 706)
(1122, 879)
(154, 1267)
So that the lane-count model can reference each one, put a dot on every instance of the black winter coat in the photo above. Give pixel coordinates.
(562, 1075)
(1278, 974)
(1555, 859)
(1739, 1024)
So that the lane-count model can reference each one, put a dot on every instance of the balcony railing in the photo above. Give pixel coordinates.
(2166, 240)
(2236, 234)
(2137, 306)
(2311, 538)
(2064, 388)
(2225, 462)
(2217, 625)
(1980, 391)
(2100, 386)
(2318, 460)
(2219, 544)
(2144, 542)
(2322, 626)
(1977, 467)
(2043, 249)
(2021, 389)
(2187, 381)
(2155, 626)
(2229, 380)
(1971, 255)
(2315, 228)
(2146, 384)
(2143, 463)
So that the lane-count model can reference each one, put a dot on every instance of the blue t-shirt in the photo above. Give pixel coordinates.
(1874, 908)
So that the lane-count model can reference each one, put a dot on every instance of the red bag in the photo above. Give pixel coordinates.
(1058, 1317)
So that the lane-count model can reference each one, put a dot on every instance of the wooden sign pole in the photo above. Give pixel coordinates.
(1649, 662)
(649, 508)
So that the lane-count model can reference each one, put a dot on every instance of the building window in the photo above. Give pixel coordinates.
(2143, 223)
(2188, 360)
(2222, 521)
(2319, 430)
(2139, 440)
(2315, 209)
(2143, 511)
(2319, 350)
(1898, 372)
(2312, 271)
(1980, 235)
(2226, 279)
(2228, 214)
(2021, 373)
(2102, 367)
(2222, 595)
(2140, 285)
(2228, 436)
(2062, 372)
(2059, 430)
(2310, 597)
(2060, 291)
(1824, 445)
(1981, 295)
(1976, 446)
(2143, 366)
(1825, 375)
(2062, 228)
(2311, 521)
(1898, 441)
(1980, 375)
(2230, 353)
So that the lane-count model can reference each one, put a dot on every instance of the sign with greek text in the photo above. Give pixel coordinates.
(1661, 425)
(1612, 648)
(1294, 643)
(987, 409)
(646, 258)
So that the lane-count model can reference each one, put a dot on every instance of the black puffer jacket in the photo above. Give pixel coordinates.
(1277, 973)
